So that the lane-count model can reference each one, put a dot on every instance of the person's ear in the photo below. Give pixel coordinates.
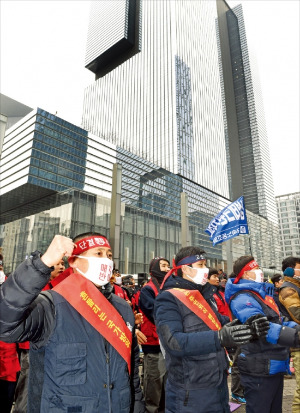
(72, 262)
(246, 275)
(184, 269)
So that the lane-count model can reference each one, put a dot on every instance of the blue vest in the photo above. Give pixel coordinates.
(82, 371)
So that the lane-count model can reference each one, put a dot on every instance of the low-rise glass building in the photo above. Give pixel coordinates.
(58, 179)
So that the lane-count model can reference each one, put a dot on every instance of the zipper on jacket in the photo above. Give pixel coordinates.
(108, 387)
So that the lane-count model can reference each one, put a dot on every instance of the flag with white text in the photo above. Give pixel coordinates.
(229, 223)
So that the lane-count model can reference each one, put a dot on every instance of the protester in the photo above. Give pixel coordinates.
(84, 330)
(9, 367)
(154, 363)
(21, 391)
(190, 330)
(222, 274)
(277, 280)
(263, 363)
(289, 297)
(219, 296)
(237, 390)
(117, 289)
(128, 285)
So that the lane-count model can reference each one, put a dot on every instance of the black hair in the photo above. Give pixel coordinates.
(127, 279)
(241, 262)
(276, 278)
(155, 261)
(212, 271)
(186, 252)
(87, 234)
(290, 262)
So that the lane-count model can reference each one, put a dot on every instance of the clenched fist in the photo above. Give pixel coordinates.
(60, 246)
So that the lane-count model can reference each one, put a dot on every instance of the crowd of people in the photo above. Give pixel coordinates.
(86, 339)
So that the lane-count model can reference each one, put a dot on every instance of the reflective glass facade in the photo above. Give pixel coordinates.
(44, 150)
(254, 148)
(164, 104)
(43, 154)
(161, 111)
(150, 218)
(288, 208)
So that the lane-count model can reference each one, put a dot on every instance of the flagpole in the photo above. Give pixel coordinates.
(249, 236)
(250, 245)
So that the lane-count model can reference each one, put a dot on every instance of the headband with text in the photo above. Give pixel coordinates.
(87, 243)
(248, 267)
(184, 261)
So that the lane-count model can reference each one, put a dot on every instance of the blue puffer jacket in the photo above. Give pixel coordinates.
(74, 366)
(265, 356)
(194, 356)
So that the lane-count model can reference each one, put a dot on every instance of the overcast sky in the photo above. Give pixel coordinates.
(42, 64)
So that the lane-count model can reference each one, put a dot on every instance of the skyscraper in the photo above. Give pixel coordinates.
(185, 96)
(172, 125)
(164, 102)
(288, 207)
(254, 147)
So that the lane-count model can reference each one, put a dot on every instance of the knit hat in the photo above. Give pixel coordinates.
(289, 272)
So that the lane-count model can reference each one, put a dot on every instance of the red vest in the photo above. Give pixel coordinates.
(120, 292)
(223, 307)
(9, 361)
(147, 327)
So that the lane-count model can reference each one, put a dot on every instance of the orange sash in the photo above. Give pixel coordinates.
(269, 301)
(195, 301)
(99, 312)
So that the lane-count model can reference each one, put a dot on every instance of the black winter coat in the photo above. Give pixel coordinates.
(81, 369)
(194, 356)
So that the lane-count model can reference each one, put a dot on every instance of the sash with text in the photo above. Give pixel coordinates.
(99, 312)
(269, 301)
(195, 301)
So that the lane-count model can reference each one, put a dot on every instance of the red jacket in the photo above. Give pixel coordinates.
(9, 361)
(223, 307)
(147, 327)
(120, 292)
(53, 283)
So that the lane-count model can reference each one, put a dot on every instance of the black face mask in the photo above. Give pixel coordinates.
(156, 272)
(159, 275)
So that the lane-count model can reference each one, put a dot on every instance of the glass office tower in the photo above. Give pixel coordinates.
(288, 207)
(185, 96)
(164, 102)
(47, 197)
(255, 156)
(174, 105)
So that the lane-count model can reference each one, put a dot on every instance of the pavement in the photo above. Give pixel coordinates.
(288, 395)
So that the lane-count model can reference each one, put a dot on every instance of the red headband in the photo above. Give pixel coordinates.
(184, 261)
(248, 267)
(87, 243)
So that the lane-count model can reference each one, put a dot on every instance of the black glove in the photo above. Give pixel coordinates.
(259, 325)
(235, 334)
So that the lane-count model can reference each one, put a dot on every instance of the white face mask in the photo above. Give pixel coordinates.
(119, 280)
(259, 276)
(198, 275)
(297, 273)
(99, 271)
(2, 277)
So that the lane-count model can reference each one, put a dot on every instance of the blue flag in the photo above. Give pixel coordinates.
(229, 223)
